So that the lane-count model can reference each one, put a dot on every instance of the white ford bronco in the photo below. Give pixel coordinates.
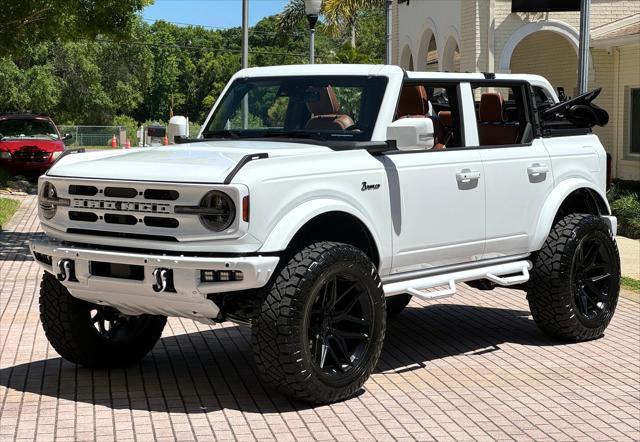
(315, 202)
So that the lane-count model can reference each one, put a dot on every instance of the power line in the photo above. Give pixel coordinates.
(252, 30)
(197, 48)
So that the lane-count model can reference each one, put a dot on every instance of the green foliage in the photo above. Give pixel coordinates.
(159, 69)
(27, 22)
(7, 209)
(625, 205)
(630, 284)
(130, 125)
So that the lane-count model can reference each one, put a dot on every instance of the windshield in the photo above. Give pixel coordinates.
(321, 107)
(28, 128)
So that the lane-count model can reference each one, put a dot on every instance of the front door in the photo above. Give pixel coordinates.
(439, 214)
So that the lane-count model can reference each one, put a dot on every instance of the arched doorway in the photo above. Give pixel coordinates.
(406, 59)
(428, 52)
(549, 54)
(451, 56)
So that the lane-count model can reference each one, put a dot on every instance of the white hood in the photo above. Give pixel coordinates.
(203, 162)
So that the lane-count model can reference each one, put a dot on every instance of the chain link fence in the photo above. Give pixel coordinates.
(94, 136)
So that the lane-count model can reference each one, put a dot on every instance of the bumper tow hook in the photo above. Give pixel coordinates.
(65, 270)
(161, 277)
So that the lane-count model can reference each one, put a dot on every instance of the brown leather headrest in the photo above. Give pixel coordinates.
(491, 107)
(413, 101)
(327, 102)
(445, 118)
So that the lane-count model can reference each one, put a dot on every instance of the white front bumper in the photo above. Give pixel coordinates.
(138, 296)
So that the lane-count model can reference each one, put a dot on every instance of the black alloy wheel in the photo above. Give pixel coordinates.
(340, 324)
(593, 278)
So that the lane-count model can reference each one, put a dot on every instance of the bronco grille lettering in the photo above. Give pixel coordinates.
(122, 206)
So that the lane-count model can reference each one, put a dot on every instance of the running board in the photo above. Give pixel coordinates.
(518, 271)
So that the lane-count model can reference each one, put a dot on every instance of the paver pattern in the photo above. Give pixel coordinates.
(469, 367)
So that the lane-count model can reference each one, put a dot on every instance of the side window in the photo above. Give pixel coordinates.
(439, 102)
(503, 114)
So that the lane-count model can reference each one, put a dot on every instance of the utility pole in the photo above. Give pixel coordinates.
(388, 31)
(583, 56)
(245, 58)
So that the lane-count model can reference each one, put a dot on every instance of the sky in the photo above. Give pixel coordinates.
(212, 13)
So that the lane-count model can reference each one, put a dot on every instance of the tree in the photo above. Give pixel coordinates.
(25, 22)
(340, 15)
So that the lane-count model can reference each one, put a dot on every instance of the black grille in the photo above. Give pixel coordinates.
(37, 156)
(76, 189)
(112, 218)
(120, 192)
(156, 221)
(161, 194)
(88, 217)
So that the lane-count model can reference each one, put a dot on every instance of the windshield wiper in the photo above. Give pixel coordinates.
(225, 133)
(293, 134)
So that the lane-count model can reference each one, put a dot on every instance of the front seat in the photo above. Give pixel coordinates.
(414, 103)
(493, 130)
(324, 111)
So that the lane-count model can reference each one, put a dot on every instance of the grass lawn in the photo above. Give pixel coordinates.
(7, 209)
(630, 284)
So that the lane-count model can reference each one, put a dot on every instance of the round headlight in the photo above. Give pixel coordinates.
(219, 211)
(48, 208)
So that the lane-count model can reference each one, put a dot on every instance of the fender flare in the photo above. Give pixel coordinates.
(284, 231)
(553, 203)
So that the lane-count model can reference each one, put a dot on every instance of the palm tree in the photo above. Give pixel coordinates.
(339, 15)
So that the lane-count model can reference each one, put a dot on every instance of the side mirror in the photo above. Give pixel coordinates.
(412, 133)
(67, 137)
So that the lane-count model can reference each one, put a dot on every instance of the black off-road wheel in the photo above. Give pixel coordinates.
(320, 327)
(575, 282)
(93, 335)
(396, 304)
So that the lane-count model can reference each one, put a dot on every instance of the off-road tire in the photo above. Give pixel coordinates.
(396, 304)
(554, 282)
(69, 328)
(282, 346)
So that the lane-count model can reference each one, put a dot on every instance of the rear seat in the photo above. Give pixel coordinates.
(493, 130)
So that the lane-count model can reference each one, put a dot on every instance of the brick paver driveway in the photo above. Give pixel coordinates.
(471, 367)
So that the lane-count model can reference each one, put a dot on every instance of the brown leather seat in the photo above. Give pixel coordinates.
(446, 119)
(325, 110)
(414, 103)
(493, 130)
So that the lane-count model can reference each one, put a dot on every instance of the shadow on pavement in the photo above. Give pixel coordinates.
(213, 369)
(15, 245)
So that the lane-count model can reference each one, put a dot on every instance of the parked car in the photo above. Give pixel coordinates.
(29, 143)
(316, 210)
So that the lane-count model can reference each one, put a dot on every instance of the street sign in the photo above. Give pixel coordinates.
(544, 5)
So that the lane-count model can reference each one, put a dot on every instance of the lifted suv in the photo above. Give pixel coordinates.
(315, 203)
(29, 143)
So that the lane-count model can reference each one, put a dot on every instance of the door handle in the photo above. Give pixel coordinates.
(537, 169)
(466, 175)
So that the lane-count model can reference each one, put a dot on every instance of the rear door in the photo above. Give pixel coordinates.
(517, 168)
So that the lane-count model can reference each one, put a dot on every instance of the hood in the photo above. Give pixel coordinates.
(13, 145)
(203, 162)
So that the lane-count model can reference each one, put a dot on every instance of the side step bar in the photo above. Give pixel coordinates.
(507, 274)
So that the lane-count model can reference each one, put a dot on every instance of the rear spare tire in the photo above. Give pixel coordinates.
(575, 281)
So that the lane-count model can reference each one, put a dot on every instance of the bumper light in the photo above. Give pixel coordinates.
(220, 275)
(5, 155)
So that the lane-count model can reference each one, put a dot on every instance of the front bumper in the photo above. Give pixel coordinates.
(133, 296)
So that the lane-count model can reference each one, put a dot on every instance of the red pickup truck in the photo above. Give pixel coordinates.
(29, 143)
